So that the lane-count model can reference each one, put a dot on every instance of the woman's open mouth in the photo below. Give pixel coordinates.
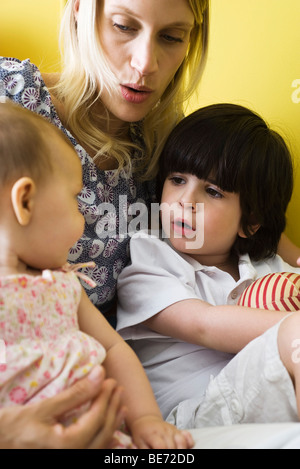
(135, 94)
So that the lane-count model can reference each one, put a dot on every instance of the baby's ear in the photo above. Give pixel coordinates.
(22, 197)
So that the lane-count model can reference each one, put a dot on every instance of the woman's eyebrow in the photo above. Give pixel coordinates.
(180, 24)
(177, 24)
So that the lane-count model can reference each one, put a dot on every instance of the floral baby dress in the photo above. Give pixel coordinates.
(45, 350)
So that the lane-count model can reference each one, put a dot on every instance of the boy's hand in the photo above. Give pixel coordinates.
(151, 432)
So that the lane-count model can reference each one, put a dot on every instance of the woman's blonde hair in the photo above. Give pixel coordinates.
(86, 73)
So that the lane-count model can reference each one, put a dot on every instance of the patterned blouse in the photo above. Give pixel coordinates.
(107, 199)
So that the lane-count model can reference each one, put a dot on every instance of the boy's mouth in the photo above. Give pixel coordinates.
(182, 227)
(183, 224)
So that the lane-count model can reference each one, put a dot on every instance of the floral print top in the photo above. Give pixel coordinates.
(21, 81)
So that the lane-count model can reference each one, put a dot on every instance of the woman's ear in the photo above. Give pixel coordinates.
(22, 197)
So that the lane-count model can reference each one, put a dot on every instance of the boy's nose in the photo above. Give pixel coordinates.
(188, 204)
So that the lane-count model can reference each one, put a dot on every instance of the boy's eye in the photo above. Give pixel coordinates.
(215, 193)
(177, 180)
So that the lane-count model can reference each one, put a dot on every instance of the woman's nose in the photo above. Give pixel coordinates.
(145, 56)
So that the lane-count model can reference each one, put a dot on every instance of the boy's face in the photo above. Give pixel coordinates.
(199, 218)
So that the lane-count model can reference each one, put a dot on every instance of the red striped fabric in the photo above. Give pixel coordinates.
(280, 291)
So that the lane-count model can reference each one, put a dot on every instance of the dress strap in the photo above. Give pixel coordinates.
(76, 267)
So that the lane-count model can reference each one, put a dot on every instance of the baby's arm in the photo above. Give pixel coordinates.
(143, 419)
(289, 252)
(224, 328)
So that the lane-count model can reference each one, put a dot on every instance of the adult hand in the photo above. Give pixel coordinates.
(37, 425)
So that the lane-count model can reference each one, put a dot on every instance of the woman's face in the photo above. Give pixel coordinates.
(145, 42)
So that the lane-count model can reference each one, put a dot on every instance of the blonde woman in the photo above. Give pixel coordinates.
(122, 89)
(129, 67)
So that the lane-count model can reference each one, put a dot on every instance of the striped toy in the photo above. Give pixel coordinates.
(280, 291)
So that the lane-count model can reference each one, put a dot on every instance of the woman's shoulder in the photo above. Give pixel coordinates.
(14, 64)
(15, 68)
(21, 81)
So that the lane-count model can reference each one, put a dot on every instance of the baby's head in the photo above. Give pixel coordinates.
(40, 177)
(234, 146)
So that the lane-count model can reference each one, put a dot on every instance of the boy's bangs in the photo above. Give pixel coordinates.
(205, 164)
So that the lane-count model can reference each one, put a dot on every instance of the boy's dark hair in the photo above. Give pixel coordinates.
(243, 155)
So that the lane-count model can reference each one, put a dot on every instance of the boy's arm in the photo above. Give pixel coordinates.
(224, 328)
(143, 415)
(289, 252)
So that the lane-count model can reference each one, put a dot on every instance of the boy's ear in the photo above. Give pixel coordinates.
(252, 229)
(22, 197)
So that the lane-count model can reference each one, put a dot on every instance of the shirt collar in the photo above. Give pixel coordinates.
(246, 269)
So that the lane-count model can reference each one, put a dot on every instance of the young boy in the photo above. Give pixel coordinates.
(178, 298)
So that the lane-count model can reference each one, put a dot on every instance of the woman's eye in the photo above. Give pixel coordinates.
(123, 28)
(171, 39)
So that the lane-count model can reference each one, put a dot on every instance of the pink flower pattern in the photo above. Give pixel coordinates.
(18, 395)
(45, 350)
(21, 316)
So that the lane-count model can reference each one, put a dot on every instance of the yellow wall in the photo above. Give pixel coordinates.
(29, 29)
(254, 60)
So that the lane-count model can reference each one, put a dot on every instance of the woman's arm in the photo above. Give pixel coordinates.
(143, 415)
(289, 252)
(224, 328)
(36, 426)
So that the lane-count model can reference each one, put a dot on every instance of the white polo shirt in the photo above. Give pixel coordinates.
(160, 276)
